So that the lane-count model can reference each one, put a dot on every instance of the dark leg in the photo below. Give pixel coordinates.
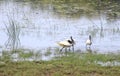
(66, 49)
(73, 48)
(61, 49)
(69, 48)
(86, 46)
(89, 50)
(89, 46)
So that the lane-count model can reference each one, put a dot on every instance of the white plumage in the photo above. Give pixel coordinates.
(89, 42)
(67, 43)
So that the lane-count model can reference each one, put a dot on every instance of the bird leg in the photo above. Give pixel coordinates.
(73, 47)
(89, 46)
(69, 48)
(86, 46)
(61, 49)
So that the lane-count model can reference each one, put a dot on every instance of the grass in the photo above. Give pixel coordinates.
(80, 64)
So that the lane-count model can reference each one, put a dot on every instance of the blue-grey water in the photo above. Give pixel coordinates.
(41, 28)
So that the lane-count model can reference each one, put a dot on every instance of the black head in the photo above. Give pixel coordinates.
(70, 41)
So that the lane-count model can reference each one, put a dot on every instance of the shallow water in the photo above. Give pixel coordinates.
(41, 28)
(114, 63)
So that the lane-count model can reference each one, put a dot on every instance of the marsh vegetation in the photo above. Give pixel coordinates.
(70, 64)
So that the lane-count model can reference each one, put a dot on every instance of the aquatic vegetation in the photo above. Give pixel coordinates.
(13, 32)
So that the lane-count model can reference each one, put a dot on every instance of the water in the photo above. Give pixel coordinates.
(42, 25)
(114, 63)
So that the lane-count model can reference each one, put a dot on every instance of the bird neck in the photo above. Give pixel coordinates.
(89, 37)
(72, 40)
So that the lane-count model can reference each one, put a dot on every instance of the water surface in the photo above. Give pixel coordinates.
(43, 24)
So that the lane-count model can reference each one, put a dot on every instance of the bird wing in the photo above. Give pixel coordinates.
(64, 43)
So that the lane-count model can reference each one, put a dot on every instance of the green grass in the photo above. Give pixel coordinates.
(80, 64)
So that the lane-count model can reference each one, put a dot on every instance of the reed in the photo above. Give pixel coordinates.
(13, 33)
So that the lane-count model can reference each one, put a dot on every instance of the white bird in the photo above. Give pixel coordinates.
(67, 43)
(89, 42)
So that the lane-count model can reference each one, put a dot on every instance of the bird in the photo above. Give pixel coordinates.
(88, 42)
(67, 43)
